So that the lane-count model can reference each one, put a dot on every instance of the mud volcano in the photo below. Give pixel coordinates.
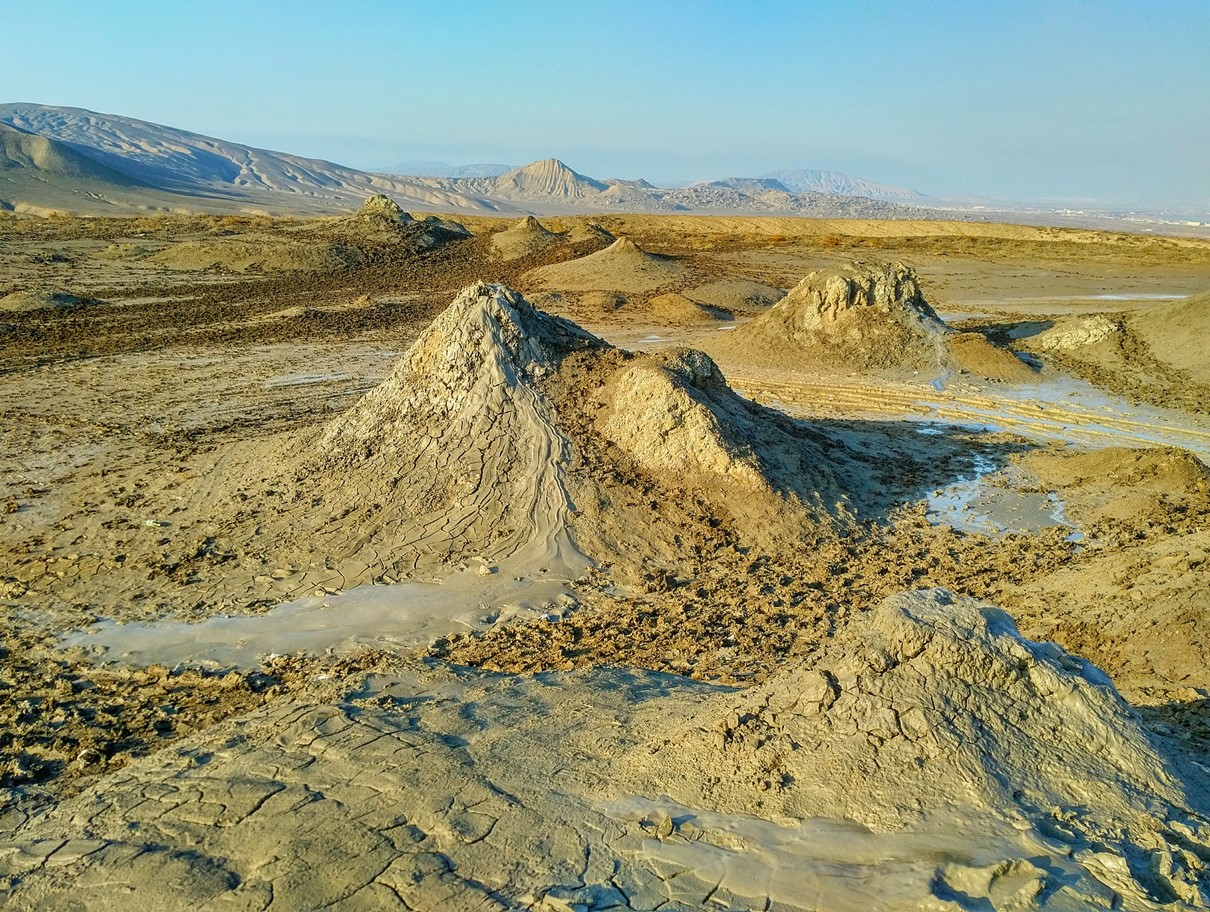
(869, 318)
(525, 238)
(380, 220)
(622, 266)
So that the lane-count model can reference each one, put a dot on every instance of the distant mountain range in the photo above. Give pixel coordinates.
(70, 159)
(57, 159)
(835, 183)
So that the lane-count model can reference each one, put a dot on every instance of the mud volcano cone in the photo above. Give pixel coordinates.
(859, 316)
(526, 237)
(869, 317)
(459, 445)
(380, 221)
(622, 266)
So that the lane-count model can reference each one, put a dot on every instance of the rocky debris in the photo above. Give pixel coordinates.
(42, 299)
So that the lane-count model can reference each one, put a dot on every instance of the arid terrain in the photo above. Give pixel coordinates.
(389, 561)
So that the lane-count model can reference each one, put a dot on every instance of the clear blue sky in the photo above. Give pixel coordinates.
(1106, 101)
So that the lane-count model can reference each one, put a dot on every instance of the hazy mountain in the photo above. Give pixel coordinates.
(835, 183)
(441, 169)
(195, 165)
(138, 165)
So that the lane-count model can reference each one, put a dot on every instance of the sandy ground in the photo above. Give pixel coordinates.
(149, 450)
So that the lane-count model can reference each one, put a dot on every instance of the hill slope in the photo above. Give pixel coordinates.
(38, 173)
(192, 164)
(548, 177)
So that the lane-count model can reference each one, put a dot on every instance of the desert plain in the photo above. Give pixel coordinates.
(391, 561)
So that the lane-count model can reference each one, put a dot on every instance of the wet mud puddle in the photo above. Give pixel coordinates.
(986, 500)
(401, 615)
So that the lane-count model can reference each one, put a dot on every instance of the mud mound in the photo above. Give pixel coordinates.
(1157, 355)
(937, 706)
(739, 296)
(673, 413)
(525, 238)
(623, 266)
(1159, 469)
(459, 437)
(601, 302)
(1121, 483)
(866, 317)
(1077, 333)
(677, 310)
(861, 316)
(380, 221)
(385, 208)
(579, 233)
(1178, 334)
(35, 299)
(974, 353)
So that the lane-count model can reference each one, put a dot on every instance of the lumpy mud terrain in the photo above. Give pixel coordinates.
(633, 562)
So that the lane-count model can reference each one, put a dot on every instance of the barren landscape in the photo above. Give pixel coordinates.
(414, 561)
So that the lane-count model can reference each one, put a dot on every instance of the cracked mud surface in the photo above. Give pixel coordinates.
(444, 789)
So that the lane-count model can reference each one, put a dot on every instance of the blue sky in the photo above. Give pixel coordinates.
(1106, 102)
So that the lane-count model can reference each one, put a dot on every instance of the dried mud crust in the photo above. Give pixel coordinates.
(733, 617)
